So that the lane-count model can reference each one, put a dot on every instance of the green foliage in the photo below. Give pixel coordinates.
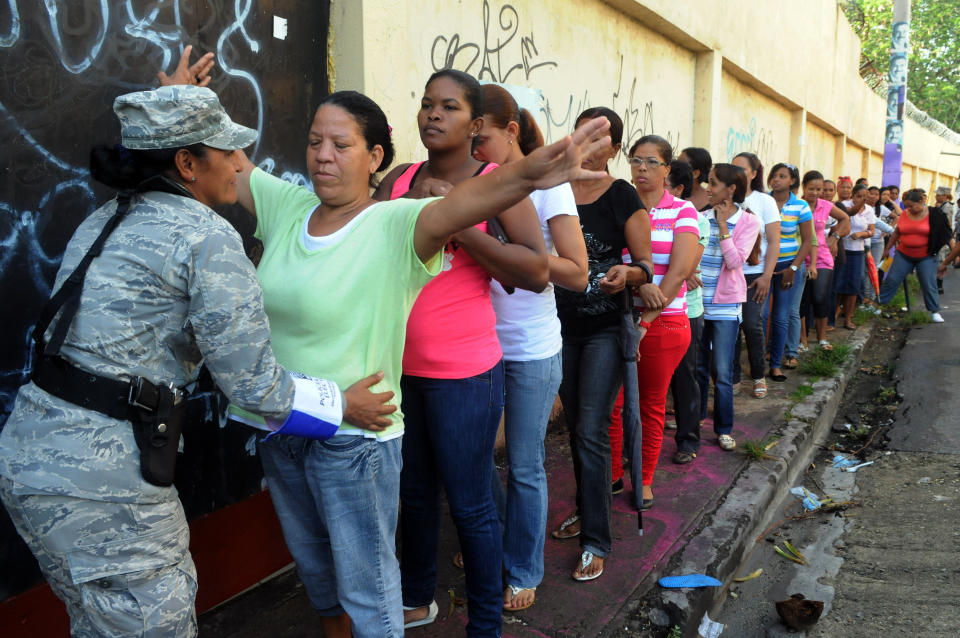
(802, 392)
(862, 315)
(916, 294)
(933, 81)
(675, 632)
(825, 363)
(916, 318)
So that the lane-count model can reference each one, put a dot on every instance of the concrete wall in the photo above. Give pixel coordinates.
(743, 77)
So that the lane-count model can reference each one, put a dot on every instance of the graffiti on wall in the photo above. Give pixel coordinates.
(63, 63)
(505, 53)
(753, 139)
(497, 56)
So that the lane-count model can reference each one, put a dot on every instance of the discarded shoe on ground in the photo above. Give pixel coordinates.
(799, 613)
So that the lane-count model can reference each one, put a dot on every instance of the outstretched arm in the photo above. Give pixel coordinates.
(482, 197)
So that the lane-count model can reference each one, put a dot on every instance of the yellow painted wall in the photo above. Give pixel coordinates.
(876, 169)
(751, 121)
(820, 150)
(639, 57)
(907, 181)
(852, 162)
(643, 76)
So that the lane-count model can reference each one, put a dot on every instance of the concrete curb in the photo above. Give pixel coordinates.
(724, 536)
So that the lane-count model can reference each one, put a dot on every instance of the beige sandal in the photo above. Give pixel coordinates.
(759, 388)
(516, 591)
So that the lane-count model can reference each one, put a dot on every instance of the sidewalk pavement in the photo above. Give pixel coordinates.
(704, 516)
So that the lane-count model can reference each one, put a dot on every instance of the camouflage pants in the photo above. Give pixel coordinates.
(122, 569)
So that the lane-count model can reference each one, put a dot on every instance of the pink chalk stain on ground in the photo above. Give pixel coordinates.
(565, 607)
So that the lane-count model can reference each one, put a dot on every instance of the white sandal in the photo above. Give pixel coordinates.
(586, 558)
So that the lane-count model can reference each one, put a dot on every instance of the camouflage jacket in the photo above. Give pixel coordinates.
(172, 289)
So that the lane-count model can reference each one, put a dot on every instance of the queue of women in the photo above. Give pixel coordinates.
(481, 281)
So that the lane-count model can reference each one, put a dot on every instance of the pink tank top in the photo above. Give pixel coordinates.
(451, 332)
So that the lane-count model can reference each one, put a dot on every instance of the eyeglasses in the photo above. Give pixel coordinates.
(649, 162)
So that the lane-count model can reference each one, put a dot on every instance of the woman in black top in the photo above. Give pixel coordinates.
(612, 219)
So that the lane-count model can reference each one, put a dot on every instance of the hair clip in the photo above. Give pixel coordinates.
(389, 130)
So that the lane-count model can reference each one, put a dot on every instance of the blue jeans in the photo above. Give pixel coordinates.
(530, 389)
(793, 332)
(782, 300)
(718, 342)
(337, 504)
(451, 427)
(592, 374)
(926, 274)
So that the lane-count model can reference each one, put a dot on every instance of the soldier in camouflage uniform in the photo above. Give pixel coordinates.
(171, 290)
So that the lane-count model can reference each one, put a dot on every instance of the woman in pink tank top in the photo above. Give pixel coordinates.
(453, 379)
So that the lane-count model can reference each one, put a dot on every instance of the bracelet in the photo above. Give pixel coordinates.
(644, 324)
(646, 269)
(724, 236)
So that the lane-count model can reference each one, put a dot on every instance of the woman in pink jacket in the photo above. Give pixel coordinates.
(734, 241)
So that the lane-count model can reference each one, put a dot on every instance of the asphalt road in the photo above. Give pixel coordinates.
(887, 565)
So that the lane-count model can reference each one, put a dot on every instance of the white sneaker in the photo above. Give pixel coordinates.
(936, 318)
(726, 442)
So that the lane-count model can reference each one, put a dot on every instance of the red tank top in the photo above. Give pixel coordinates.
(451, 332)
(914, 236)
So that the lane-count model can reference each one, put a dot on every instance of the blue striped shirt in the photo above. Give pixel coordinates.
(710, 265)
(793, 213)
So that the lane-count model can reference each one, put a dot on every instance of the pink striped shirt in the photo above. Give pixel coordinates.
(667, 218)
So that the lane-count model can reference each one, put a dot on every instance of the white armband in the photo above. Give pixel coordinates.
(317, 409)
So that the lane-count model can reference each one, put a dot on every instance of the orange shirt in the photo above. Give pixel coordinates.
(914, 236)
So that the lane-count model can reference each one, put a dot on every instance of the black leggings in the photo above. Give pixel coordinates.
(817, 292)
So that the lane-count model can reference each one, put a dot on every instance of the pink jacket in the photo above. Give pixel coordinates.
(731, 284)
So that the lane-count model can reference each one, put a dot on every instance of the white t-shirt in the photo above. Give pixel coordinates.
(527, 322)
(858, 224)
(764, 207)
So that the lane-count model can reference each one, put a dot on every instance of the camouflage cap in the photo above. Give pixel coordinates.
(176, 116)
(943, 190)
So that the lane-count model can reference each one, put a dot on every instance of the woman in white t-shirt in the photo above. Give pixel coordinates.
(529, 333)
(850, 274)
(758, 276)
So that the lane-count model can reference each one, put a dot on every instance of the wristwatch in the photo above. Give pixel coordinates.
(794, 268)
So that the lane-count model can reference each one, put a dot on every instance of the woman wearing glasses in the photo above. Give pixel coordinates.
(664, 326)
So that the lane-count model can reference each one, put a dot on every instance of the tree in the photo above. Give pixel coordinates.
(933, 83)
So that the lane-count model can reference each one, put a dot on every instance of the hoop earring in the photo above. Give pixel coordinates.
(193, 179)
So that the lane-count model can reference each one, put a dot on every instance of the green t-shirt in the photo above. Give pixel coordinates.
(695, 297)
(339, 311)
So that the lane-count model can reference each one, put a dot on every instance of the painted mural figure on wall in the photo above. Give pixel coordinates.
(896, 95)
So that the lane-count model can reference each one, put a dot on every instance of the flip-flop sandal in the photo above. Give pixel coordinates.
(586, 558)
(791, 364)
(457, 560)
(432, 610)
(516, 591)
(826, 345)
(561, 532)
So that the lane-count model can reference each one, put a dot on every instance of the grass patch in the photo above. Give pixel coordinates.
(916, 295)
(825, 363)
(756, 449)
(862, 316)
(887, 395)
(916, 318)
(675, 632)
(801, 392)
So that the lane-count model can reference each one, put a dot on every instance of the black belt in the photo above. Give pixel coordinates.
(111, 397)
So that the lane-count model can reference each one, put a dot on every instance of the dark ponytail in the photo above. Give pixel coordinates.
(122, 169)
(499, 109)
(756, 184)
(530, 136)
